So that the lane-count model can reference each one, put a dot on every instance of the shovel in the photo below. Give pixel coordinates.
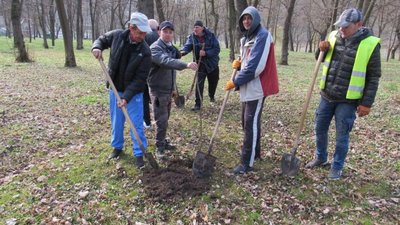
(178, 99)
(194, 82)
(290, 164)
(203, 164)
(153, 163)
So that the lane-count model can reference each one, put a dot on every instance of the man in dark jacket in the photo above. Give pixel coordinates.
(349, 83)
(162, 81)
(129, 66)
(150, 39)
(205, 47)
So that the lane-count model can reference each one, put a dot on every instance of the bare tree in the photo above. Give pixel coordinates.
(68, 46)
(216, 17)
(79, 25)
(231, 27)
(42, 21)
(160, 11)
(93, 5)
(52, 22)
(5, 6)
(16, 9)
(286, 30)
(146, 7)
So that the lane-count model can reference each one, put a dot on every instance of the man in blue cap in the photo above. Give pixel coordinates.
(129, 66)
(350, 78)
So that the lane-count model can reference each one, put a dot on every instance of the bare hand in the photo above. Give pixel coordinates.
(192, 65)
(174, 94)
(97, 53)
(363, 110)
(122, 103)
(202, 53)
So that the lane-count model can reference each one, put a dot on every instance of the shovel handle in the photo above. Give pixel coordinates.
(307, 102)
(190, 93)
(123, 108)
(221, 111)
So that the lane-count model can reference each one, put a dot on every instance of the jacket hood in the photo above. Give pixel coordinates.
(253, 12)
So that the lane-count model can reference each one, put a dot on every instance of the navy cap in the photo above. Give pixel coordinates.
(166, 24)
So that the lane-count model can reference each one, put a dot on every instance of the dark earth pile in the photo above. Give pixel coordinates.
(173, 182)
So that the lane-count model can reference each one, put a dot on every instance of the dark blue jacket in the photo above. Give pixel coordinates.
(210, 61)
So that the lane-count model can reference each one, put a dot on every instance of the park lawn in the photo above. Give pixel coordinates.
(55, 139)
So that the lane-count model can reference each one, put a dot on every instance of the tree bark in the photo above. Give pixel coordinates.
(160, 11)
(52, 22)
(146, 7)
(42, 21)
(68, 44)
(286, 30)
(367, 14)
(79, 25)
(93, 4)
(240, 6)
(6, 17)
(231, 14)
(216, 17)
(16, 9)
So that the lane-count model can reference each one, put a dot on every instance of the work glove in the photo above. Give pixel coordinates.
(324, 46)
(229, 85)
(363, 110)
(236, 64)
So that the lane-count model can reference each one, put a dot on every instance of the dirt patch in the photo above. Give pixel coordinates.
(173, 182)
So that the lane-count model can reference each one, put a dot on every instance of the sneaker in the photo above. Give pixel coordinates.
(147, 126)
(316, 163)
(160, 153)
(196, 108)
(169, 146)
(212, 99)
(139, 162)
(334, 174)
(115, 154)
(241, 169)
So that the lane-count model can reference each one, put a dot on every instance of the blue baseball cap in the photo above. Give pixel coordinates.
(140, 21)
(349, 16)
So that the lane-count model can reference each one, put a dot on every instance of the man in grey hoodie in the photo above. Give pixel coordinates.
(162, 80)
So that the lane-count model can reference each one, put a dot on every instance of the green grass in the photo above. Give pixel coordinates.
(55, 123)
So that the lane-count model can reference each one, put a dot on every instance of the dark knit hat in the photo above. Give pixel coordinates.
(198, 23)
(166, 24)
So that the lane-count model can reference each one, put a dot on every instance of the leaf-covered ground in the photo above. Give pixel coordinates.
(55, 140)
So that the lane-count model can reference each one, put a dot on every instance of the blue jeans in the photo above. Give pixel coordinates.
(135, 111)
(345, 114)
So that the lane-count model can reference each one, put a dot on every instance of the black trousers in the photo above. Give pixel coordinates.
(212, 79)
(251, 124)
(146, 107)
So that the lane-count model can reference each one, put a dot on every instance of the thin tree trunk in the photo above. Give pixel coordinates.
(93, 18)
(160, 11)
(216, 17)
(240, 6)
(146, 7)
(79, 26)
(42, 22)
(52, 21)
(68, 45)
(367, 14)
(286, 30)
(16, 9)
(231, 27)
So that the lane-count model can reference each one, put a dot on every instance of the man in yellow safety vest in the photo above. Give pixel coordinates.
(350, 79)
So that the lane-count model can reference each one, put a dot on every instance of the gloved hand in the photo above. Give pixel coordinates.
(229, 85)
(236, 64)
(363, 110)
(324, 46)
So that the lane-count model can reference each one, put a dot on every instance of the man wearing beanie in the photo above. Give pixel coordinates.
(205, 47)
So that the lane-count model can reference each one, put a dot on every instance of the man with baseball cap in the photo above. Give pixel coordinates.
(128, 66)
(350, 78)
(162, 81)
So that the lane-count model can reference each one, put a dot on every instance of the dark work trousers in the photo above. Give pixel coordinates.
(212, 78)
(146, 107)
(161, 108)
(251, 124)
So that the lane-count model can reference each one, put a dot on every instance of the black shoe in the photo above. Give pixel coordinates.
(115, 154)
(316, 163)
(169, 146)
(212, 99)
(139, 162)
(196, 108)
(241, 169)
(160, 153)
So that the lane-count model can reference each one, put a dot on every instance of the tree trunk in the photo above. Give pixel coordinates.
(367, 14)
(42, 22)
(216, 17)
(52, 21)
(79, 26)
(286, 30)
(160, 12)
(93, 18)
(146, 7)
(240, 6)
(16, 9)
(231, 14)
(68, 45)
(6, 17)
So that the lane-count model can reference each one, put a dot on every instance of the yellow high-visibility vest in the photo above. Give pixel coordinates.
(357, 80)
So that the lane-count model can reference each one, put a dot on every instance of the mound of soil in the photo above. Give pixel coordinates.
(176, 181)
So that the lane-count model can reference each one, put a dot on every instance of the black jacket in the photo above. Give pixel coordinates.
(137, 67)
(341, 66)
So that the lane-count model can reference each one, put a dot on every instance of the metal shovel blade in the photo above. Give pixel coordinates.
(153, 163)
(203, 164)
(290, 165)
(179, 101)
